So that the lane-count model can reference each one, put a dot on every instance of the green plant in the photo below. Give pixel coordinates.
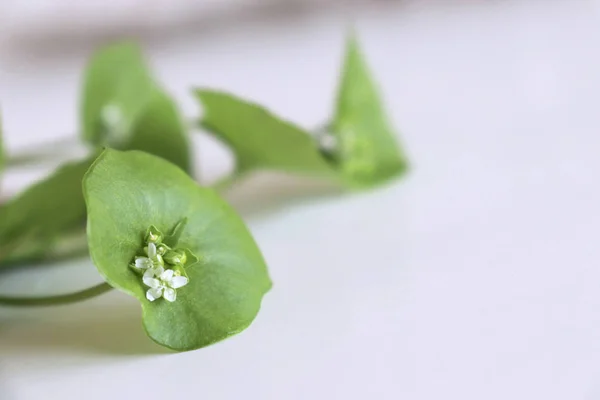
(152, 231)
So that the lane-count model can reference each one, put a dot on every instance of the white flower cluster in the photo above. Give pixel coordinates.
(158, 272)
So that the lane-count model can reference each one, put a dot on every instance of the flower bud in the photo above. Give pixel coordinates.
(176, 257)
(162, 249)
(153, 235)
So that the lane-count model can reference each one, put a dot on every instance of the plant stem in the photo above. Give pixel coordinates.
(56, 300)
(226, 182)
(52, 150)
(70, 244)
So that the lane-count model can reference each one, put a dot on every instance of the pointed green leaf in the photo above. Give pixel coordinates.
(117, 87)
(126, 193)
(31, 222)
(366, 152)
(259, 139)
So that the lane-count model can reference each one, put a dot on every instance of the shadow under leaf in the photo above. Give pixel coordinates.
(265, 193)
(90, 327)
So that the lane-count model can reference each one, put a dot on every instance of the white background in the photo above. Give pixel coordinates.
(476, 277)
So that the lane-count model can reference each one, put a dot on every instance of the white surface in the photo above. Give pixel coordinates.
(32, 19)
(475, 278)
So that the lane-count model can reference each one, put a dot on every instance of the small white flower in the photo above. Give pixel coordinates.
(151, 250)
(111, 115)
(143, 263)
(327, 141)
(152, 261)
(162, 283)
(113, 121)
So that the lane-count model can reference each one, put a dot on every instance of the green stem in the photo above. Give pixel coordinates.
(227, 182)
(56, 149)
(56, 300)
(70, 244)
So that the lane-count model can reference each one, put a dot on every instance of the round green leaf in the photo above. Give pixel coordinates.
(367, 152)
(128, 192)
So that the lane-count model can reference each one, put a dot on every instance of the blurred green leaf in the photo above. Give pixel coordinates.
(117, 87)
(358, 146)
(160, 130)
(124, 108)
(32, 222)
(127, 193)
(366, 151)
(259, 139)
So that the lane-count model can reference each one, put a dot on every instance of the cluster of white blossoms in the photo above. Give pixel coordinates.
(161, 268)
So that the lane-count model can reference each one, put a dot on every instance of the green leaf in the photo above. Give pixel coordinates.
(117, 86)
(366, 153)
(172, 238)
(160, 130)
(259, 139)
(32, 222)
(126, 193)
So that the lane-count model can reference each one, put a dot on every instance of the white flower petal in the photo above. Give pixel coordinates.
(153, 294)
(167, 275)
(111, 114)
(158, 271)
(143, 263)
(151, 282)
(178, 281)
(149, 273)
(151, 250)
(170, 294)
